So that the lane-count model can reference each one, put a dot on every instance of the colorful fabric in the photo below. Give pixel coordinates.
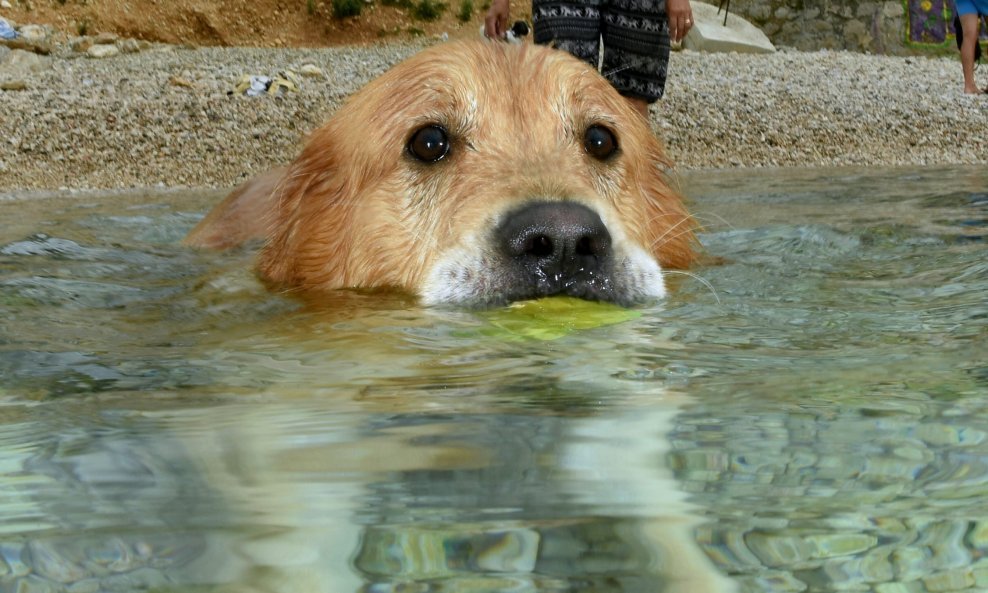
(931, 21)
(635, 35)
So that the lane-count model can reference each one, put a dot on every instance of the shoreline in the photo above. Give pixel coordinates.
(163, 116)
(681, 177)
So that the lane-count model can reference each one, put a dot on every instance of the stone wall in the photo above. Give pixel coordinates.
(856, 25)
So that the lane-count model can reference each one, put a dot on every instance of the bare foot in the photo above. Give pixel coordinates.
(973, 90)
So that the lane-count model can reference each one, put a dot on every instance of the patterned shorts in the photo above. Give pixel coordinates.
(635, 36)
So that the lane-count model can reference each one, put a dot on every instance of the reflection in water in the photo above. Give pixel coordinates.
(815, 421)
(468, 501)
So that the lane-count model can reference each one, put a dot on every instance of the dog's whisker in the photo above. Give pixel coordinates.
(668, 234)
(704, 216)
(700, 279)
(672, 237)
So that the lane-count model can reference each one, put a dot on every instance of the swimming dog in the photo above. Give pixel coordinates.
(472, 174)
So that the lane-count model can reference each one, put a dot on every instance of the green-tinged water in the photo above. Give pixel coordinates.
(810, 414)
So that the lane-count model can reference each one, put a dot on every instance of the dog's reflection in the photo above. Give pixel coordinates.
(368, 495)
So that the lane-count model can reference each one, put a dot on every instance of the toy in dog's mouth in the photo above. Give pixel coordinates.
(472, 174)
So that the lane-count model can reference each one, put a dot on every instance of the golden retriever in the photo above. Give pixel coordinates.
(476, 174)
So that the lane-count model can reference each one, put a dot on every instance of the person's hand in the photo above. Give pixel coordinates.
(496, 21)
(680, 18)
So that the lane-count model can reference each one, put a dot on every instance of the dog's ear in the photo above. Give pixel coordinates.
(241, 217)
(323, 231)
(312, 191)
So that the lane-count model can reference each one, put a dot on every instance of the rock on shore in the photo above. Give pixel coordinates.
(165, 115)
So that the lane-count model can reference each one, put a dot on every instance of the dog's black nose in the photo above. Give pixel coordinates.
(556, 248)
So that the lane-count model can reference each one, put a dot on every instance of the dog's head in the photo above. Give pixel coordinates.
(478, 174)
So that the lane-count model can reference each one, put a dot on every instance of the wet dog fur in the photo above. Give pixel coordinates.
(475, 174)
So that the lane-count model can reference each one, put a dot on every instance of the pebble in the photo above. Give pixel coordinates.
(102, 51)
(900, 587)
(180, 81)
(774, 550)
(34, 33)
(12, 558)
(19, 61)
(106, 38)
(952, 580)
(35, 584)
(82, 44)
(117, 123)
(84, 586)
(131, 46)
(32, 38)
(840, 544)
(311, 71)
(46, 561)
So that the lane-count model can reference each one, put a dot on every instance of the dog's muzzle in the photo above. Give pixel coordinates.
(544, 248)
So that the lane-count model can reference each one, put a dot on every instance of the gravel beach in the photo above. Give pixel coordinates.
(166, 115)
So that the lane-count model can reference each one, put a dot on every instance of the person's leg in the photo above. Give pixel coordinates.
(636, 50)
(570, 25)
(970, 23)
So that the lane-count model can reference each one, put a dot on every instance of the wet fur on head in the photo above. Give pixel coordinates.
(358, 209)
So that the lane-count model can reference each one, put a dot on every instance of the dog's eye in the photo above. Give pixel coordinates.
(429, 144)
(599, 142)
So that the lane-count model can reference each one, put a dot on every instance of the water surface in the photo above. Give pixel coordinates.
(810, 414)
